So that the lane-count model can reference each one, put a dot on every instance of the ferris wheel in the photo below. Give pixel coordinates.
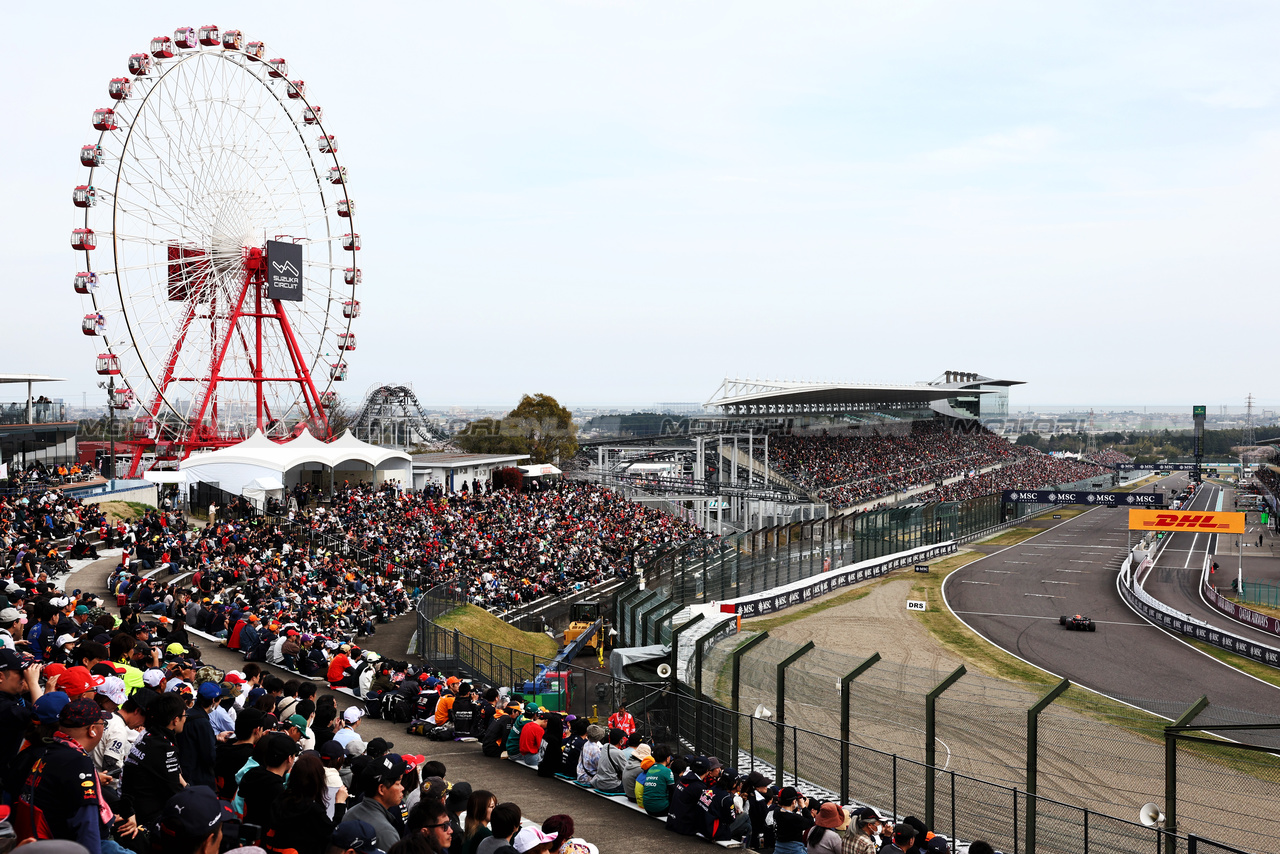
(218, 244)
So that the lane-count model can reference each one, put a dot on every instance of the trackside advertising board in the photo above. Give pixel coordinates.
(1193, 521)
(799, 592)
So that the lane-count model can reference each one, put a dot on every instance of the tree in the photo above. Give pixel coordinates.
(538, 426)
(340, 416)
(1029, 439)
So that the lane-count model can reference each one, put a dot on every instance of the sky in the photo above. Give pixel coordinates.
(617, 202)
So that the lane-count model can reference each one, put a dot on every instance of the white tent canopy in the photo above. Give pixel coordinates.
(158, 476)
(262, 465)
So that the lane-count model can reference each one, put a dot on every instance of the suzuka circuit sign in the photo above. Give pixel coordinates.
(284, 271)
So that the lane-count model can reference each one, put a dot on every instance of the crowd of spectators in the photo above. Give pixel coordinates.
(1039, 471)
(854, 469)
(1107, 457)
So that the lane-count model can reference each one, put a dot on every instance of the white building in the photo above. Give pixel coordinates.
(450, 471)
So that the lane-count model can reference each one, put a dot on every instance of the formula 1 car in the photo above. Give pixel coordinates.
(1083, 624)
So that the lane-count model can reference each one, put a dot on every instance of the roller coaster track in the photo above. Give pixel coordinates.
(395, 404)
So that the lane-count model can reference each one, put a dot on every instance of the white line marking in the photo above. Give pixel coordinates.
(1001, 571)
(1080, 561)
(1023, 562)
(1042, 595)
(1070, 570)
(1047, 581)
(965, 581)
(1035, 617)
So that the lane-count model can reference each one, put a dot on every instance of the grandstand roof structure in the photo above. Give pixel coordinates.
(789, 397)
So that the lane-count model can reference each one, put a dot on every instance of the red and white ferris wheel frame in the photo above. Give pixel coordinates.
(207, 157)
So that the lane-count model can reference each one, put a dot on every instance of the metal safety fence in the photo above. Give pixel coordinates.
(877, 764)
(1259, 593)
(756, 561)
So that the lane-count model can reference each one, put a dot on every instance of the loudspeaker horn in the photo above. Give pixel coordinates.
(1150, 815)
(664, 671)
(762, 713)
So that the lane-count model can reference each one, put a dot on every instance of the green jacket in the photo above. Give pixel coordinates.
(658, 783)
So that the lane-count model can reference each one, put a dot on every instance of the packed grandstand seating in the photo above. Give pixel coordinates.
(494, 548)
(1107, 457)
(854, 469)
(1036, 472)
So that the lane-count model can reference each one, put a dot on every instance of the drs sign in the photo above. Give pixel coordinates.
(284, 271)
(917, 605)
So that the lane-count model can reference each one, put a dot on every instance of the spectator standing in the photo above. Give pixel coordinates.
(622, 720)
(198, 743)
(152, 772)
(232, 756)
(16, 710)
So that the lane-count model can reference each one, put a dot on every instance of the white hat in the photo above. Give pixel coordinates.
(176, 685)
(63, 640)
(152, 678)
(113, 689)
(11, 615)
(530, 838)
(60, 602)
(353, 714)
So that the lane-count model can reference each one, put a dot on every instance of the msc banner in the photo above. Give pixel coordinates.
(1196, 521)
(1156, 467)
(1201, 632)
(1097, 499)
(284, 271)
(797, 593)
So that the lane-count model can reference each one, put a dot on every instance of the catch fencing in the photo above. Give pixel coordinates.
(752, 562)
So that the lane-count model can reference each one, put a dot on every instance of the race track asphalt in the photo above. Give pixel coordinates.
(1014, 599)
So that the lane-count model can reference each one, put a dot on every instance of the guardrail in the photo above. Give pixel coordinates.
(1175, 621)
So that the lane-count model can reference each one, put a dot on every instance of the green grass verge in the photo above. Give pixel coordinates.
(124, 510)
(1267, 674)
(477, 623)
(1012, 537)
(768, 624)
(1065, 512)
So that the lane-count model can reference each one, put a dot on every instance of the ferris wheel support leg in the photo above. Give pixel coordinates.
(210, 390)
(309, 393)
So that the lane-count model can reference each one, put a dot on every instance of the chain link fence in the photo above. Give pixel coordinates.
(1098, 760)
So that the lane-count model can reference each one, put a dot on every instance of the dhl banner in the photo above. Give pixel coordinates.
(1194, 521)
